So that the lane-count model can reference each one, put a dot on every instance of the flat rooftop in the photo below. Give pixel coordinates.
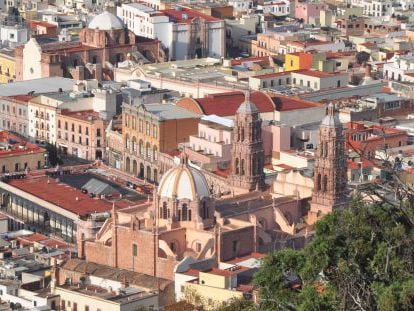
(42, 85)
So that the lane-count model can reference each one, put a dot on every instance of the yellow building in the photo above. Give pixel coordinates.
(7, 66)
(213, 288)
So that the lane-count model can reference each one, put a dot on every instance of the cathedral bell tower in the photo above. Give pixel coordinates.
(330, 181)
(247, 149)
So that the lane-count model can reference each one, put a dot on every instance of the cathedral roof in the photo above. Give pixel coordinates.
(183, 182)
(106, 21)
(331, 119)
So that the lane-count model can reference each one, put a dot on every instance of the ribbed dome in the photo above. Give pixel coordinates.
(106, 21)
(183, 182)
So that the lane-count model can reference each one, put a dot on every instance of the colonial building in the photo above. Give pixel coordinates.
(185, 33)
(103, 44)
(330, 169)
(152, 128)
(81, 134)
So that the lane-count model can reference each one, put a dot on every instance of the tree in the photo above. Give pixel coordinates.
(361, 258)
(362, 57)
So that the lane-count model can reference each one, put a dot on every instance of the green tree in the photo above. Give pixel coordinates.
(361, 258)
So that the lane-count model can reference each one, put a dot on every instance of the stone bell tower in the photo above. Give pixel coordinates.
(330, 180)
(247, 149)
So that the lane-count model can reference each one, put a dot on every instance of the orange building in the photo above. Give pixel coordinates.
(152, 128)
(81, 134)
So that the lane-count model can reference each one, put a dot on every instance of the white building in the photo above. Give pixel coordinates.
(184, 33)
(276, 8)
(13, 35)
(241, 5)
(398, 66)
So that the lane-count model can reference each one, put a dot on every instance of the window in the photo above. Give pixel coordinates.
(58, 124)
(98, 132)
(134, 250)
(87, 130)
(80, 129)
(66, 125)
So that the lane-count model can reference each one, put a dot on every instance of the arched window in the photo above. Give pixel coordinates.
(242, 134)
(237, 166)
(242, 167)
(189, 215)
(319, 182)
(325, 183)
(184, 211)
(326, 150)
(94, 59)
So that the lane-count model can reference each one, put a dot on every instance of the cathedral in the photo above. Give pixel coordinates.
(102, 45)
(186, 223)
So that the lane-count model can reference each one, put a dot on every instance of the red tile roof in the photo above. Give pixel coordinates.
(226, 104)
(184, 15)
(62, 195)
(17, 146)
(34, 23)
(85, 115)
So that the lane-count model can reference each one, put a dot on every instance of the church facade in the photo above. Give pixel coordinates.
(102, 45)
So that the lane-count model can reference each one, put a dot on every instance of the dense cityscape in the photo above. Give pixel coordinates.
(229, 155)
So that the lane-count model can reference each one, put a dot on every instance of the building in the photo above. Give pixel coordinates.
(309, 80)
(45, 111)
(330, 169)
(272, 107)
(275, 8)
(210, 148)
(103, 44)
(184, 33)
(309, 11)
(366, 138)
(18, 155)
(149, 129)
(108, 288)
(7, 66)
(13, 33)
(14, 116)
(65, 203)
(81, 134)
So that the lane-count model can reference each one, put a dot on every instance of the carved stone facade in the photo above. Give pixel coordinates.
(247, 151)
(330, 181)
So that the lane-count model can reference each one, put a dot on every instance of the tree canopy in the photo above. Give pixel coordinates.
(361, 258)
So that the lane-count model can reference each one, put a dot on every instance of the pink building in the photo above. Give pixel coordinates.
(308, 11)
(211, 147)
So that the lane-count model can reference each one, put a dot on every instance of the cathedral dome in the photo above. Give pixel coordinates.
(106, 21)
(183, 182)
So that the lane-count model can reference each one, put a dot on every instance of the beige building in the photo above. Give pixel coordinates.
(81, 134)
(18, 155)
